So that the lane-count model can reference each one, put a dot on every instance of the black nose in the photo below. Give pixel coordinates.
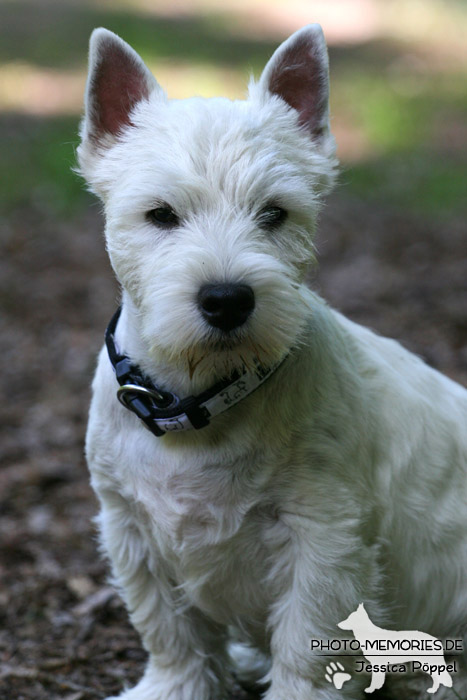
(226, 306)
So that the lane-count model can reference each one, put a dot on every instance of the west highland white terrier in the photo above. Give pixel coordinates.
(269, 465)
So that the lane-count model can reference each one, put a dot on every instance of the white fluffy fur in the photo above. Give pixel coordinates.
(342, 480)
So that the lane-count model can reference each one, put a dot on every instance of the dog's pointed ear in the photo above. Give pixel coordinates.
(298, 73)
(117, 80)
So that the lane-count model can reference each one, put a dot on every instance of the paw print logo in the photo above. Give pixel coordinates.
(335, 674)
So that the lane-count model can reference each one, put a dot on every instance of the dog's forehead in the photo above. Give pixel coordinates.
(238, 146)
(214, 115)
(204, 128)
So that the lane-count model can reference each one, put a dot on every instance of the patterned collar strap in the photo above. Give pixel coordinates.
(163, 411)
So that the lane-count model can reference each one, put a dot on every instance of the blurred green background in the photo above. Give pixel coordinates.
(398, 76)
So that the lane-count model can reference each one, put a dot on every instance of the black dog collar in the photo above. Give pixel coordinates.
(163, 411)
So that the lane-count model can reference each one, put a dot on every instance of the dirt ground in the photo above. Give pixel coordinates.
(63, 631)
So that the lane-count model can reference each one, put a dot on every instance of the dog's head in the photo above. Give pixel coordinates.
(211, 204)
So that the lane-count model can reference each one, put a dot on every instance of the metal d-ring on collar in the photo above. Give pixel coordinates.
(126, 389)
(163, 411)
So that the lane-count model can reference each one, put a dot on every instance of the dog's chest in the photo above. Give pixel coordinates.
(217, 537)
(228, 579)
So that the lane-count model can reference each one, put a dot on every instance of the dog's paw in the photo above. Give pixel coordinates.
(163, 684)
(335, 674)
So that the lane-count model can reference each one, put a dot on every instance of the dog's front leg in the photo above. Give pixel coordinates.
(323, 572)
(186, 651)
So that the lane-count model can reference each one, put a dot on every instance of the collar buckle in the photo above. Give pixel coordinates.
(144, 403)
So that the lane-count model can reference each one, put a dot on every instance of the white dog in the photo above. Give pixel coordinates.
(337, 475)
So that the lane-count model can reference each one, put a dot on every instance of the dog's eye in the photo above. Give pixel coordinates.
(271, 217)
(163, 216)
